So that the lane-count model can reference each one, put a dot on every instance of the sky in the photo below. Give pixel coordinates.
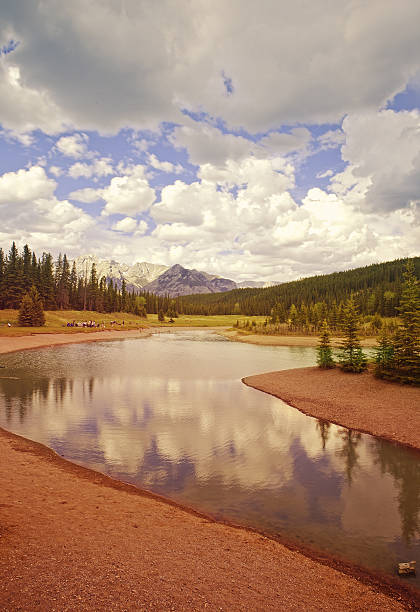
(266, 140)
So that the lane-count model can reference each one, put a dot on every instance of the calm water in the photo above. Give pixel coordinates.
(169, 413)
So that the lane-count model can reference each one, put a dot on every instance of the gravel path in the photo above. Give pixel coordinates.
(358, 401)
(73, 539)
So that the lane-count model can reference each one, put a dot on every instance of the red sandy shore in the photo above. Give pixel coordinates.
(73, 539)
(9, 344)
(358, 401)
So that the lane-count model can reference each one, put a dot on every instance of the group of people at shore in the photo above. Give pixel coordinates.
(91, 323)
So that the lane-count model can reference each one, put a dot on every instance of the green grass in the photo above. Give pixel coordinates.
(201, 320)
(56, 321)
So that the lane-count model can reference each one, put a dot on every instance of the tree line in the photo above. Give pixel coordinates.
(60, 287)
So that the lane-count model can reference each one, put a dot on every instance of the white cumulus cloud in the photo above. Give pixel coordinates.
(129, 194)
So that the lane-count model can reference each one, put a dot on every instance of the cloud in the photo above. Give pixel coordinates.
(99, 167)
(75, 145)
(56, 171)
(24, 185)
(207, 144)
(128, 224)
(129, 194)
(164, 166)
(283, 143)
(31, 212)
(383, 153)
(331, 139)
(87, 195)
(131, 76)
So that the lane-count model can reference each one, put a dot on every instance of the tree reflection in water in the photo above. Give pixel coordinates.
(324, 431)
(394, 459)
(350, 441)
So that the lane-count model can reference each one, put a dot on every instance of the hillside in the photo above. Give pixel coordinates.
(377, 289)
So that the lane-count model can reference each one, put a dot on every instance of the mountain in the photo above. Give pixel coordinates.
(181, 281)
(152, 277)
(136, 276)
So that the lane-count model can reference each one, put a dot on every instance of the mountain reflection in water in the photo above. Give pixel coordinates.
(169, 413)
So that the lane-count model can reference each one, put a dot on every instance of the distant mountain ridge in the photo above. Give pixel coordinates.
(181, 281)
(162, 280)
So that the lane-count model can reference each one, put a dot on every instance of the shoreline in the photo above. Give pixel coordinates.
(12, 344)
(392, 593)
(267, 340)
(356, 401)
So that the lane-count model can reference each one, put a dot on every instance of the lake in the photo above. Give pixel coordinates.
(169, 413)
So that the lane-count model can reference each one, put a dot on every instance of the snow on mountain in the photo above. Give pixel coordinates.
(136, 276)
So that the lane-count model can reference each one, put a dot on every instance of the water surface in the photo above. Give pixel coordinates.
(170, 413)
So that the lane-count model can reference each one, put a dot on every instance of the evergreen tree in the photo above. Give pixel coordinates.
(63, 282)
(124, 296)
(325, 357)
(407, 338)
(31, 313)
(47, 284)
(384, 356)
(28, 277)
(73, 296)
(161, 315)
(140, 306)
(351, 358)
(93, 288)
(13, 279)
(171, 312)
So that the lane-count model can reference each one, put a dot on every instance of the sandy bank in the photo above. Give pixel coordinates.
(20, 343)
(238, 336)
(73, 539)
(357, 401)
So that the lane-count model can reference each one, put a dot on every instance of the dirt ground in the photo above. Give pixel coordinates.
(73, 539)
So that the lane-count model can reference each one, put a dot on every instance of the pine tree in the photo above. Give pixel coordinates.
(47, 285)
(325, 357)
(124, 296)
(28, 277)
(31, 313)
(161, 315)
(407, 338)
(73, 296)
(384, 356)
(93, 288)
(13, 279)
(351, 358)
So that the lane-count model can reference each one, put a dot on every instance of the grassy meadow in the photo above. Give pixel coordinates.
(56, 321)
